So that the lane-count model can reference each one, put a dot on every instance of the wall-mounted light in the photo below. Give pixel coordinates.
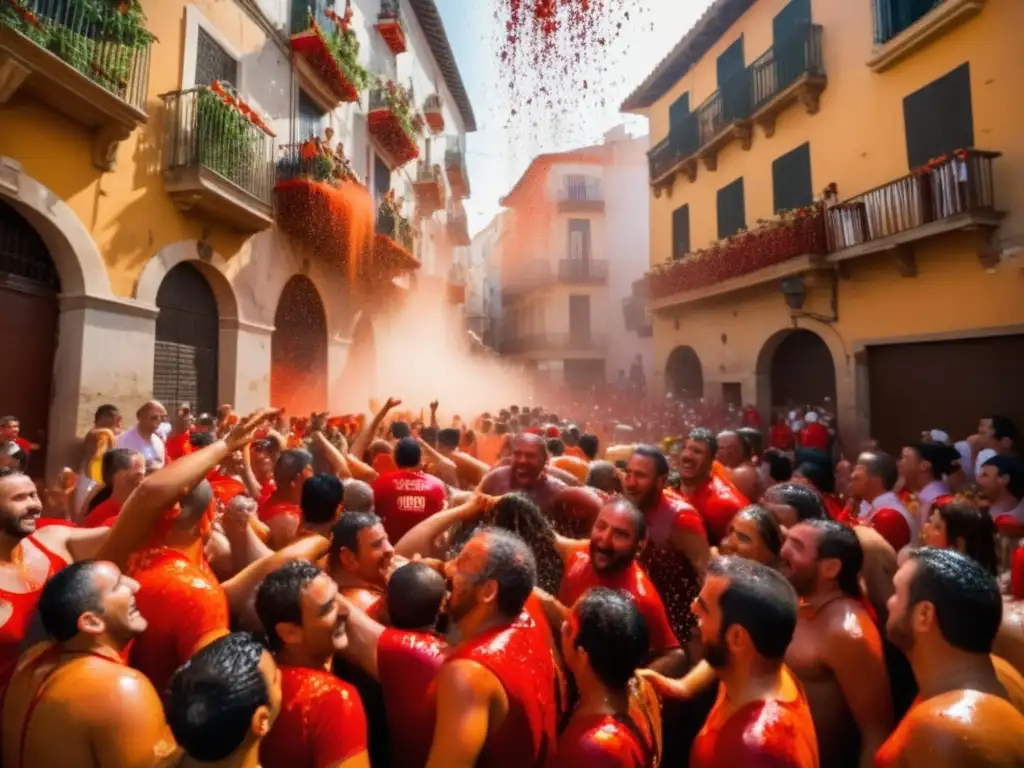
(795, 292)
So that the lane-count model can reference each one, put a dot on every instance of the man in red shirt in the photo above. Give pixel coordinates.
(123, 472)
(603, 641)
(716, 499)
(408, 495)
(814, 435)
(747, 615)
(322, 723)
(281, 512)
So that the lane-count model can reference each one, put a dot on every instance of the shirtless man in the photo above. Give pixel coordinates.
(282, 513)
(98, 440)
(747, 615)
(322, 722)
(123, 472)
(361, 560)
(79, 688)
(945, 614)
(1009, 643)
(836, 651)
(496, 690)
(735, 455)
(223, 702)
(714, 498)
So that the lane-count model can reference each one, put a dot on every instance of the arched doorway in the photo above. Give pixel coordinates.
(185, 356)
(801, 371)
(298, 350)
(684, 376)
(29, 312)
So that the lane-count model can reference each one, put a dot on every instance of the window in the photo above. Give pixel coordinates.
(381, 178)
(680, 231)
(791, 179)
(732, 393)
(311, 117)
(213, 62)
(938, 117)
(731, 214)
(579, 238)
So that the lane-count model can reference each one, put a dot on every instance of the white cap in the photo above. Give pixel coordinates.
(811, 417)
(938, 436)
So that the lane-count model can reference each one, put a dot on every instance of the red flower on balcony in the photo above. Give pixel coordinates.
(313, 47)
(797, 233)
(390, 29)
(390, 259)
(391, 124)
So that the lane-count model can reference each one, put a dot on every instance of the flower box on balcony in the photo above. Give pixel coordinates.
(389, 25)
(796, 234)
(433, 113)
(428, 187)
(390, 122)
(334, 57)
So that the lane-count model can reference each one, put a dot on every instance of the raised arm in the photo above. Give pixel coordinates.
(363, 441)
(445, 467)
(334, 457)
(240, 587)
(419, 540)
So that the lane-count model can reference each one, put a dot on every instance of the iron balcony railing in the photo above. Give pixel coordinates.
(894, 16)
(109, 47)
(432, 103)
(304, 10)
(580, 189)
(582, 270)
(390, 9)
(397, 228)
(200, 129)
(526, 276)
(739, 96)
(786, 62)
(961, 183)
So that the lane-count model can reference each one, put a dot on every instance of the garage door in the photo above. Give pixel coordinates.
(944, 385)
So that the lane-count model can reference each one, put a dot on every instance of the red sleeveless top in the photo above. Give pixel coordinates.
(407, 664)
(23, 608)
(519, 657)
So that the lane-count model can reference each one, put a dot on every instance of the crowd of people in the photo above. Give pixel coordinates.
(513, 589)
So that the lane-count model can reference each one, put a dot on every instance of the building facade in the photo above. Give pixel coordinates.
(833, 211)
(172, 223)
(573, 248)
(483, 282)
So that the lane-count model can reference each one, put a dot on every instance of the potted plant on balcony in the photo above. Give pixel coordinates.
(343, 44)
(226, 132)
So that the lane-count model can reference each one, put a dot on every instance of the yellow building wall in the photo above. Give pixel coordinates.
(127, 211)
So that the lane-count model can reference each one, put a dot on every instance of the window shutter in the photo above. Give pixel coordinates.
(938, 118)
(791, 179)
(680, 231)
(731, 214)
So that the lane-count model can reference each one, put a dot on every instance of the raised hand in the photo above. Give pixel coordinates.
(241, 434)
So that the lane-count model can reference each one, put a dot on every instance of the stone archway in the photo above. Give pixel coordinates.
(298, 349)
(795, 367)
(684, 375)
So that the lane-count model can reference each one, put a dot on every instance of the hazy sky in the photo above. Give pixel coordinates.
(501, 148)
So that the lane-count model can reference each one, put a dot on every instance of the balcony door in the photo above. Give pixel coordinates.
(579, 321)
(732, 84)
(790, 33)
(311, 118)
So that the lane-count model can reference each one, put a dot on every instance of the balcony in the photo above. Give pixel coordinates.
(455, 166)
(902, 29)
(524, 277)
(583, 271)
(791, 71)
(950, 194)
(579, 194)
(428, 188)
(390, 123)
(433, 113)
(218, 158)
(389, 25)
(326, 55)
(458, 224)
(90, 62)
(776, 249)
(573, 345)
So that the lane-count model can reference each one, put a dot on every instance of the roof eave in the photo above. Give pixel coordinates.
(433, 29)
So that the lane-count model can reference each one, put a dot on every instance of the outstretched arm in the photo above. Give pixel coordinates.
(363, 441)
(419, 540)
(465, 692)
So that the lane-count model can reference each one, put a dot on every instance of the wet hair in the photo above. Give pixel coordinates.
(105, 411)
(1008, 466)
(780, 468)
(639, 520)
(820, 476)
(840, 542)
(279, 597)
(511, 565)
(213, 696)
(200, 440)
(345, 533)
(206, 421)
(968, 606)
(744, 445)
(65, 597)
(555, 446)
(116, 460)
(944, 459)
(321, 497)
(604, 475)
(6, 421)
(357, 496)
(400, 429)
(613, 633)
(518, 513)
(589, 445)
(806, 502)
(760, 600)
(656, 456)
(975, 528)
(753, 439)
(767, 527)
(408, 453)
(702, 435)
(449, 438)
(881, 465)
(290, 464)
(415, 593)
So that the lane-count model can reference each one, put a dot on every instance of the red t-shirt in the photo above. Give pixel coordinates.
(600, 741)
(404, 498)
(102, 515)
(780, 436)
(407, 665)
(717, 501)
(322, 722)
(580, 576)
(177, 446)
(183, 603)
(272, 509)
(814, 436)
(762, 734)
